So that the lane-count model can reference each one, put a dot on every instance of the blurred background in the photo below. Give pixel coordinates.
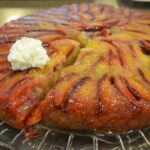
(13, 9)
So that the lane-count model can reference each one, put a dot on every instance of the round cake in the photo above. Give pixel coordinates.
(98, 77)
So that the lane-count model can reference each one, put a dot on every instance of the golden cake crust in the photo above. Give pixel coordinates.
(103, 84)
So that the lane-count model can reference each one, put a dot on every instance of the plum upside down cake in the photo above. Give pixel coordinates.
(98, 76)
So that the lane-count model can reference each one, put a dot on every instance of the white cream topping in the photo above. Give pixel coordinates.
(27, 53)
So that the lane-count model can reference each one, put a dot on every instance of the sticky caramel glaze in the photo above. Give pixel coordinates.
(106, 92)
(106, 85)
(83, 17)
(22, 91)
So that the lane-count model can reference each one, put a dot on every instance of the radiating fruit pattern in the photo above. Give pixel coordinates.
(98, 76)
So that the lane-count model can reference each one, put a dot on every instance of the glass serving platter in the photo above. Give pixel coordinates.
(54, 138)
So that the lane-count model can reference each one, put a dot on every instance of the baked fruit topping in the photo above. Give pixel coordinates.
(98, 77)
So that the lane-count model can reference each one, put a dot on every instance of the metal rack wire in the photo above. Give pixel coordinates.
(53, 139)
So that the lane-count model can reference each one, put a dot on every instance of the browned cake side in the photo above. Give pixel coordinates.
(106, 88)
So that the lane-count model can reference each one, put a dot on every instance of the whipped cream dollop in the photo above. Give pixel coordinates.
(27, 53)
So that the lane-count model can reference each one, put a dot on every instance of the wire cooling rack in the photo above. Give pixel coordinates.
(54, 139)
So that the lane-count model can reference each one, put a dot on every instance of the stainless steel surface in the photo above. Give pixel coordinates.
(55, 139)
(141, 0)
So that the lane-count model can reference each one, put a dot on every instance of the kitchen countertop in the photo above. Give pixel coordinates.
(13, 9)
